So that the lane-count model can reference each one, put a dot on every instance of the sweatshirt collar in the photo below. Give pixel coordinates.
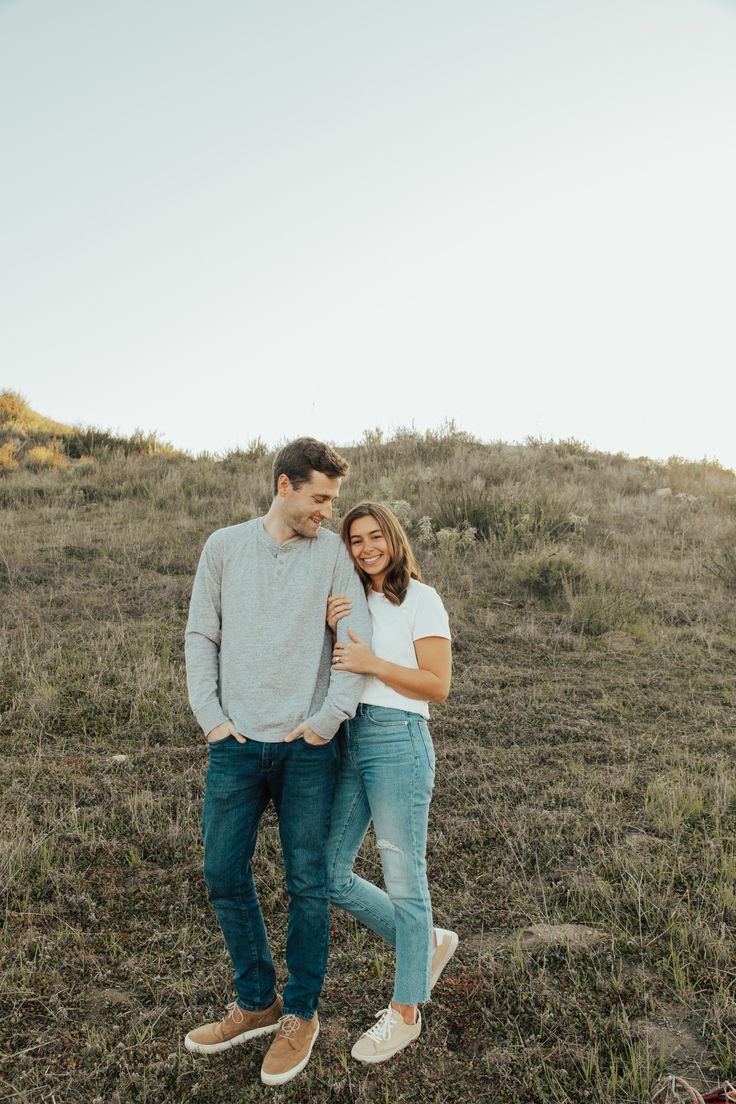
(273, 546)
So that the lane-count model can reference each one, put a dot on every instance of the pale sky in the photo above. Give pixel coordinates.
(226, 220)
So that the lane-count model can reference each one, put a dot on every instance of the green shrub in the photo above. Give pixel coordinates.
(253, 453)
(103, 445)
(602, 609)
(450, 541)
(517, 520)
(548, 574)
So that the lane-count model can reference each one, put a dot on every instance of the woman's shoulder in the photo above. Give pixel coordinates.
(421, 596)
(426, 611)
(417, 590)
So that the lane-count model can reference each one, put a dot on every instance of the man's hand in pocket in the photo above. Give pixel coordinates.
(303, 731)
(227, 728)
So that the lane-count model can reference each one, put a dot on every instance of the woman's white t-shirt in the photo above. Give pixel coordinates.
(395, 628)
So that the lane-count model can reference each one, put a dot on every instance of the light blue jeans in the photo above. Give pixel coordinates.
(385, 775)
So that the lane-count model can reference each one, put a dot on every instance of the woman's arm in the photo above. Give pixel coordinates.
(430, 683)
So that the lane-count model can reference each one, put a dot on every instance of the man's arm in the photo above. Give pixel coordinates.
(345, 688)
(202, 639)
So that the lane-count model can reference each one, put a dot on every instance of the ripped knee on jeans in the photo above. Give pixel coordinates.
(386, 845)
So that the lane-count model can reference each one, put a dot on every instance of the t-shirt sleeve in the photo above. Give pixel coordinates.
(430, 616)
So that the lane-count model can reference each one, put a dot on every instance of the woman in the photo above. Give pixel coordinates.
(387, 765)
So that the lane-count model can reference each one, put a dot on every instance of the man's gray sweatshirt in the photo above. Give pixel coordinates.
(258, 649)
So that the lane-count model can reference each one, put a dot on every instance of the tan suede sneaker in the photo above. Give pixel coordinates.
(387, 1037)
(291, 1049)
(237, 1027)
(447, 942)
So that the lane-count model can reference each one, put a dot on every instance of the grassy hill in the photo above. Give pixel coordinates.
(30, 440)
(582, 834)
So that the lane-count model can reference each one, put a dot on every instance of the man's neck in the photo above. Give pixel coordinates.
(277, 528)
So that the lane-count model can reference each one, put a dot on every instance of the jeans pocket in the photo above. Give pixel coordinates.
(384, 717)
(220, 740)
(330, 748)
(426, 740)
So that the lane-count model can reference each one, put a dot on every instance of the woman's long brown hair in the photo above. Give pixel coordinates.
(402, 567)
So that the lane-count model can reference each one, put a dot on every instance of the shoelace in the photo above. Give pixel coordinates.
(288, 1026)
(381, 1030)
(231, 1008)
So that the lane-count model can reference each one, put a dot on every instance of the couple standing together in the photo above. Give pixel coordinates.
(311, 659)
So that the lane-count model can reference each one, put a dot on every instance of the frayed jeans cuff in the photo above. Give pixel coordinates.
(299, 1012)
(252, 1007)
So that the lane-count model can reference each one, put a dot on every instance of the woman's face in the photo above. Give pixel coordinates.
(369, 548)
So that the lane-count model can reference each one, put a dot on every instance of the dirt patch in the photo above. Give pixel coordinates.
(485, 944)
(101, 999)
(675, 1036)
(618, 641)
(575, 936)
(641, 840)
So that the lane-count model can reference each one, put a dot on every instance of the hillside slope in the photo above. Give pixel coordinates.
(582, 836)
(31, 440)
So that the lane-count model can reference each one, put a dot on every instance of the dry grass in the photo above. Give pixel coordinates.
(8, 457)
(41, 458)
(16, 415)
(584, 784)
(31, 440)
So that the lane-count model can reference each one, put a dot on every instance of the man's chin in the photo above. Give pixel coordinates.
(310, 530)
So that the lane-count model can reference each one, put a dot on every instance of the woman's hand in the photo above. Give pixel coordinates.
(338, 606)
(356, 657)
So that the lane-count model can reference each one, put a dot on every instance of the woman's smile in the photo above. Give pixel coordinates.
(374, 564)
(369, 549)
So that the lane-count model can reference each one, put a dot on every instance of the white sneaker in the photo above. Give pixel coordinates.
(387, 1037)
(447, 942)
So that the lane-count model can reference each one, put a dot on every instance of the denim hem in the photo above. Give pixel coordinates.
(412, 1000)
(299, 1012)
(254, 1008)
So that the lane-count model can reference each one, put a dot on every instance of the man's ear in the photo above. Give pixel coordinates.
(283, 485)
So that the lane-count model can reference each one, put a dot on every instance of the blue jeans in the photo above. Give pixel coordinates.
(241, 780)
(386, 774)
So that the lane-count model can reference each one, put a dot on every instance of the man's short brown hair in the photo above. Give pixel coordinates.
(301, 457)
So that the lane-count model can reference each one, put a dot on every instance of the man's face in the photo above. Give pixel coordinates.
(305, 509)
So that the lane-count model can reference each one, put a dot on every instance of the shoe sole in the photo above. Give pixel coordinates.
(455, 939)
(282, 1078)
(228, 1044)
(373, 1059)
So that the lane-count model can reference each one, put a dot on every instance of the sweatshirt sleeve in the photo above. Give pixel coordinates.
(345, 688)
(202, 638)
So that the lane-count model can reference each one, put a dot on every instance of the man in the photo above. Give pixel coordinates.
(262, 687)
